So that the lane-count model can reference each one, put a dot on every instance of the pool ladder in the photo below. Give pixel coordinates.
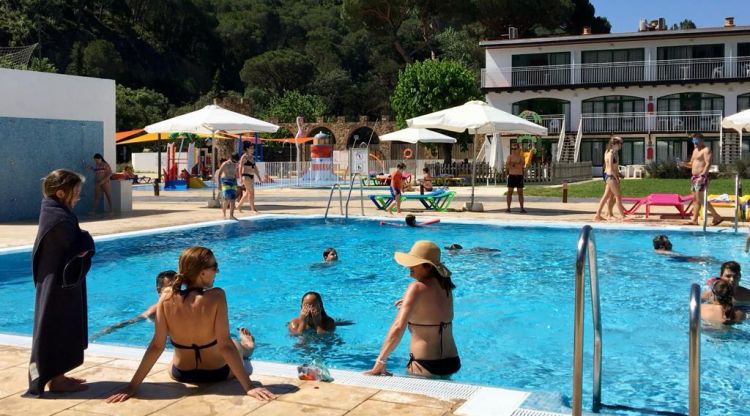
(348, 198)
(587, 249)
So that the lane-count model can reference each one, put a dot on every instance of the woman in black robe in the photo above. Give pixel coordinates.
(61, 258)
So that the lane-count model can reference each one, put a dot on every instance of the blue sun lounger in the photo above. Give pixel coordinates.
(438, 200)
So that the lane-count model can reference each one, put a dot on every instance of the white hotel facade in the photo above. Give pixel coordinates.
(653, 88)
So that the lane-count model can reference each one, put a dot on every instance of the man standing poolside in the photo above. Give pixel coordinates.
(699, 164)
(515, 164)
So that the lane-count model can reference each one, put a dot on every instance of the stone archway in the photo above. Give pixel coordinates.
(362, 135)
(325, 130)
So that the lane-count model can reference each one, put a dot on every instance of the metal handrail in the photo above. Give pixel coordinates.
(361, 196)
(737, 186)
(330, 196)
(586, 245)
(705, 207)
(694, 366)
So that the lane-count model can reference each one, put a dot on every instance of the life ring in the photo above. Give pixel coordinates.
(408, 153)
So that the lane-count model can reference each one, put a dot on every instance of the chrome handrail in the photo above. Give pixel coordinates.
(737, 185)
(694, 366)
(361, 196)
(586, 245)
(330, 196)
(705, 207)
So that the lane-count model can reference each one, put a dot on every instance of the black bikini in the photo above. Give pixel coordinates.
(252, 165)
(439, 367)
(197, 375)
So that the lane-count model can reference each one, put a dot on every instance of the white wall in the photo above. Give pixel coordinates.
(147, 162)
(30, 94)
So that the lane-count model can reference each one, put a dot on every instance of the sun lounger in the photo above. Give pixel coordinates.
(660, 200)
(437, 200)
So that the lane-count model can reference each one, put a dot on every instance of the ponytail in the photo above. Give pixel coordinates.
(724, 294)
(176, 285)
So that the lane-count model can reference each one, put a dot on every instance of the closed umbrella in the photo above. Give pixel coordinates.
(476, 117)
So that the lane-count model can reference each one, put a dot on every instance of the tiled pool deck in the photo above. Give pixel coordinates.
(160, 395)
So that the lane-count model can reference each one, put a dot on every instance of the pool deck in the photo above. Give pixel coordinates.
(190, 207)
(106, 372)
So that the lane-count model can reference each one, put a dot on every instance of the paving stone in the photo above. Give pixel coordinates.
(329, 395)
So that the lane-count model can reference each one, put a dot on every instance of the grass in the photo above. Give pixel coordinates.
(634, 187)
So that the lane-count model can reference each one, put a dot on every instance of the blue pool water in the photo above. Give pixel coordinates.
(513, 310)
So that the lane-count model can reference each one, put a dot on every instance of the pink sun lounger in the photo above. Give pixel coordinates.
(661, 200)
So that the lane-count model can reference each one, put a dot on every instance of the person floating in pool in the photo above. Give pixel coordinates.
(411, 221)
(663, 246)
(312, 315)
(721, 309)
(427, 310)
(228, 184)
(732, 274)
(330, 255)
(163, 279)
(455, 248)
(193, 314)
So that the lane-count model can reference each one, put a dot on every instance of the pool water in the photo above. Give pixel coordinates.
(513, 309)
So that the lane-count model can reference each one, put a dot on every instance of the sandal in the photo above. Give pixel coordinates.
(523, 211)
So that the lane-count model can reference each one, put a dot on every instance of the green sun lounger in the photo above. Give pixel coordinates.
(439, 200)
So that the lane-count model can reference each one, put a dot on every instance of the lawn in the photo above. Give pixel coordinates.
(630, 187)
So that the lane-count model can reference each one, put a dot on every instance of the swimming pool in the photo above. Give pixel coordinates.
(513, 322)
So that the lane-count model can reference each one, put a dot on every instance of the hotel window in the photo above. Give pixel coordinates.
(743, 102)
(613, 104)
(743, 60)
(554, 68)
(690, 62)
(690, 101)
(679, 150)
(629, 66)
(632, 152)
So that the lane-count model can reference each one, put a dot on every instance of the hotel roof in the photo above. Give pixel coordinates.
(610, 37)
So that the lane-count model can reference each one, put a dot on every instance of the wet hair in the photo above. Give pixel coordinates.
(732, 266)
(724, 294)
(235, 157)
(61, 180)
(247, 145)
(328, 251)
(454, 246)
(401, 166)
(411, 220)
(661, 242)
(164, 279)
(320, 302)
(445, 282)
(426, 169)
(192, 261)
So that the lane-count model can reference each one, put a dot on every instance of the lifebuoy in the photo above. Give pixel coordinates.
(407, 153)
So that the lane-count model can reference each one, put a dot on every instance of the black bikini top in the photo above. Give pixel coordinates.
(196, 348)
(440, 326)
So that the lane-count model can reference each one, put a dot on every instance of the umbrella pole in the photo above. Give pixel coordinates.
(213, 163)
(158, 164)
(473, 172)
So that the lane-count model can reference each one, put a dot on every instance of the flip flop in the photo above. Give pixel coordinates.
(523, 211)
(717, 222)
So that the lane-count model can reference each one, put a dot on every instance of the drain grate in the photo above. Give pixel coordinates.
(529, 412)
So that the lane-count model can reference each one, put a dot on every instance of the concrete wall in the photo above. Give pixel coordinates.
(50, 121)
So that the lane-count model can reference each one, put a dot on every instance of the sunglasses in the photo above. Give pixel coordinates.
(214, 266)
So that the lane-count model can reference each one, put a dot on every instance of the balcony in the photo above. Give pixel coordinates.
(654, 72)
(662, 122)
(553, 123)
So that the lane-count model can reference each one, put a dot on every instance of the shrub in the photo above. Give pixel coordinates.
(667, 169)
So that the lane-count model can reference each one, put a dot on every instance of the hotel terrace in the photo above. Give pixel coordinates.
(653, 87)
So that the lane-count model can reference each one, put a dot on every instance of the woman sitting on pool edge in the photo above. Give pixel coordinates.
(196, 321)
(427, 309)
(312, 315)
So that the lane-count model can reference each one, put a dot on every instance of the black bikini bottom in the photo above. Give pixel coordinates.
(247, 175)
(199, 375)
(441, 367)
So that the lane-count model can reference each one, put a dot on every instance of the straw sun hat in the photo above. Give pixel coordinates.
(422, 252)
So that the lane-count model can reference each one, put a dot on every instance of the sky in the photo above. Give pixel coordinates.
(624, 14)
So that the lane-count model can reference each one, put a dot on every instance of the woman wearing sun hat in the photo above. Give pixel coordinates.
(427, 310)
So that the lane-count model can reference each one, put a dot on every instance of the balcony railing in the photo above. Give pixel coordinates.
(666, 122)
(553, 123)
(618, 72)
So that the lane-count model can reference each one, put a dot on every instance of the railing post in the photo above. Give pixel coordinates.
(737, 186)
(694, 366)
(586, 248)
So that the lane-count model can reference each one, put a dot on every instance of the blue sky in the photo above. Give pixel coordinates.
(624, 14)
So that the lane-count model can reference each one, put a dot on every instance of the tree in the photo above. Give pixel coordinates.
(383, 18)
(460, 46)
(101, 59)
(685, 24)
(137, 108)
(291, 104)
(584, 14)
(528, 15)
(433, 85)
(277, 71)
